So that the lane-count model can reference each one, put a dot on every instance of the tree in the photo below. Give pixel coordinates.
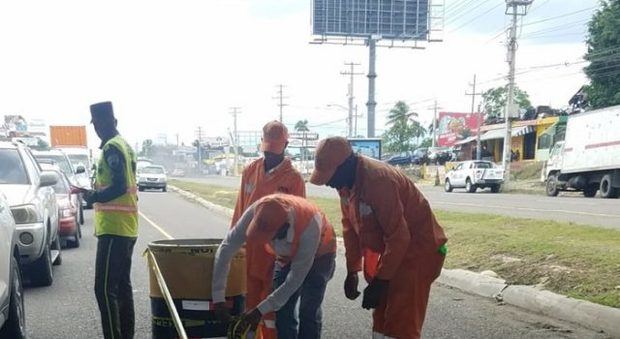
(495, 100)
(403, 129)
(302, 126)
(603, 43)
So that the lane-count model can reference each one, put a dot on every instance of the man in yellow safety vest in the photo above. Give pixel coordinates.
(115, 202)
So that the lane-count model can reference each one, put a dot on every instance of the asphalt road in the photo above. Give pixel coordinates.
(68, 308)
(567, 207)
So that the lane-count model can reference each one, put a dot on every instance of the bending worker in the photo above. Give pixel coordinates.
(389, 232)
(303, 242)
(116, 225)
(273, 173)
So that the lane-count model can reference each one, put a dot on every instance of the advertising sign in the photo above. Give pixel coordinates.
(454, 127)
(368, 147)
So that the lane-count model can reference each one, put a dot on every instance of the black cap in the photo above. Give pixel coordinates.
(102, 110)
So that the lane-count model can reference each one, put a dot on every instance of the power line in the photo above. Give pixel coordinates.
(560, 16)
(477, 17)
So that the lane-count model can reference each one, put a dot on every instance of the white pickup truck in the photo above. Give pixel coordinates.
(588, 160)
(472, 175)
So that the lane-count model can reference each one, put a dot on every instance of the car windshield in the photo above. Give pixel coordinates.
(78, 159)
(484, 165)
(152, 170)
(61, 185)
(12, 171)
(59, 160)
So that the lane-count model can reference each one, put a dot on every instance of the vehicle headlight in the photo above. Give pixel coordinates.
(26, 214)
(26, 238)
(162, 179)
(66, 213)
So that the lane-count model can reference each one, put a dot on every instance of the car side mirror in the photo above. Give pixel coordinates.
(48, 179)
(80, 170)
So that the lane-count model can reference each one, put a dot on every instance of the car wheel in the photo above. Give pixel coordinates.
(607, 190)
(552, 186)
(165, 189)
(448, 187)
(469, 187)
(590, 191)
(140, 188)
(496, 188)
(57, 247)
(76, 242)
(41, 269)
(15, 326)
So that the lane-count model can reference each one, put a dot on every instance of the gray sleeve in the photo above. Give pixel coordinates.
(228, 248)
(300, 266)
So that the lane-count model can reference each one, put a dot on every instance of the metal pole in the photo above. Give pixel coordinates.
(355, 135)
(281, 104)
(371, 87)
(235, 112)
(434, 143)
(478, 141)
(199, 151)
(512, 49)
(350, 121)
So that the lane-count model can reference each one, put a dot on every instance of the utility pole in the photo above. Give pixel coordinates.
(473, 95)
(434, 143)
(372, 75)
(515, 8)
(350, 94)
(198, 147)
(356, 116)
(234, 111)
(280, 99)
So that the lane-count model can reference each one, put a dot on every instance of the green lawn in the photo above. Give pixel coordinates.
(575, 260)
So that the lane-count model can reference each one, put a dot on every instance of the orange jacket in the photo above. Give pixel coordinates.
(256, 183)
(386, 220)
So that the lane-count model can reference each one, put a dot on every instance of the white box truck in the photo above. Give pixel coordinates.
(588, 160)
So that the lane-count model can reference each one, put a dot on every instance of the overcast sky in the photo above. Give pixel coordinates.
(171, 66)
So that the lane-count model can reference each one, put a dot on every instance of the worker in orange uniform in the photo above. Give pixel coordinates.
(389, 232)
(303, 242)
(274, 173)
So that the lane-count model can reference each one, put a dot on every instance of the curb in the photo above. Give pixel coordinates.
(587, 314)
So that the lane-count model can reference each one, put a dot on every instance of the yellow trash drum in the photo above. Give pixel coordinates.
(186, 267)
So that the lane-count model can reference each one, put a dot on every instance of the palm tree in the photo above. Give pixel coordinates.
(302, 126)
(400, 113)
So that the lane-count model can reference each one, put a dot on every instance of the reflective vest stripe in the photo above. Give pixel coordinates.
(131, 190)
(115, 208)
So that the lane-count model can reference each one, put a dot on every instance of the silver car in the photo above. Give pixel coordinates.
(12, 315)
(30, 194)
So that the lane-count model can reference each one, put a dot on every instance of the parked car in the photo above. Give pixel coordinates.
(152, 176)
(420, 156)
(75, 175)
(178, 172)
(68, 200)
(403, 158)
(472, 175)
(439, 155)
(30, 193)
(12, 312)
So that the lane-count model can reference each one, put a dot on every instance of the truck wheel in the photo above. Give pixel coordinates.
(448, 187)
(590, 191)
(469, 187)
(496, 188)
(552, 186)
(15, 326)
(607, 190)
(41, 270)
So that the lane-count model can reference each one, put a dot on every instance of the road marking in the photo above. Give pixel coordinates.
(527, 209)
(155, 226)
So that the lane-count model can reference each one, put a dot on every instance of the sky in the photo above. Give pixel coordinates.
(170, 67)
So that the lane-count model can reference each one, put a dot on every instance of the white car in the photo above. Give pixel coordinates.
(30, 193)
(472, 175)
(12, 314)
(152, 176)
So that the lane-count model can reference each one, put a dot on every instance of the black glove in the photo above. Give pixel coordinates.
(350, 286)
(373, 293)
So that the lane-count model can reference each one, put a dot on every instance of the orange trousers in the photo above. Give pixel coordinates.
(401, 312)
(259, 287)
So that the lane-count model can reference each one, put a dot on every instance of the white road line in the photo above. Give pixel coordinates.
(155, 226)
(526, 209)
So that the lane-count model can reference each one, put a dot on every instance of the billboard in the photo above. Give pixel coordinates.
(453, 127)
(369, 147)
(388, 19)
